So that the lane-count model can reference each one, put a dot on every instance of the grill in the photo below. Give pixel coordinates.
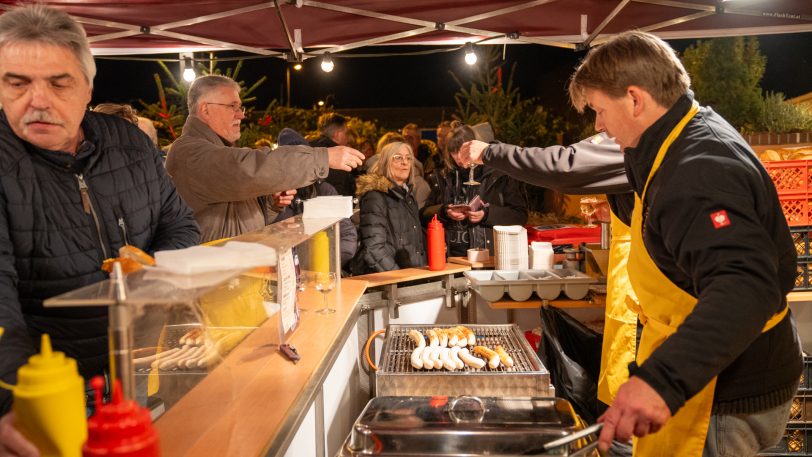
(397, 377)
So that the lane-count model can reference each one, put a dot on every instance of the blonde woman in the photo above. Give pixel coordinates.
(390, 232)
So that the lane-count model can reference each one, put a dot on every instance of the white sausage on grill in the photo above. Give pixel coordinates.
(417, 356)
(490, 354)
(470, 360)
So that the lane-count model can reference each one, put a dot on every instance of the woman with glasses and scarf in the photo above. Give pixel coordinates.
(470, 228)
(390, 232)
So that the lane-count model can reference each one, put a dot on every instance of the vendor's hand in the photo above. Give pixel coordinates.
(637, 410)
(476, 216)
(455, 215)
(344, 158)
(283, 199)
(12, 442)
(472, 152)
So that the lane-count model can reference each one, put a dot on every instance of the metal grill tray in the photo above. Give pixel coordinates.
(397, 377)
(520, 284)
(462, 426)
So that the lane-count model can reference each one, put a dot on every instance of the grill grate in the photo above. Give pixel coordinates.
(398, 358)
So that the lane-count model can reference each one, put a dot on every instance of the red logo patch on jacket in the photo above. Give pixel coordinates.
(720, 219)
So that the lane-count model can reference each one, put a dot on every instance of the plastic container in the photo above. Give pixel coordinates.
(436, 237)
(541, 255)
(793, 181)
(49, 402)
(120, 428)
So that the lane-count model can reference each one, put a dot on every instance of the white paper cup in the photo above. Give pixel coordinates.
(478, 255)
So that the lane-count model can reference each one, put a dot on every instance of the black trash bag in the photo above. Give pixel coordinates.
(572, 354)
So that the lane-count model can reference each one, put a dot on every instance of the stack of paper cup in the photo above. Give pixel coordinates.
(510, 247)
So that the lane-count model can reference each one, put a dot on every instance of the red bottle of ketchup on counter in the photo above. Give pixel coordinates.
(121, 428)
(436, 245)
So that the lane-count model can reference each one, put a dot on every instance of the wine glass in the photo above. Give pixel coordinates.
(471, 181)
(588, 209)
(324, 283)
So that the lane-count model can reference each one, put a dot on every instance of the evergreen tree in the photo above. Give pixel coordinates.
(725, 75)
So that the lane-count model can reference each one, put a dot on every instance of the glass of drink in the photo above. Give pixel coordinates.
(588, 209)
(324, 282)
(471, 181)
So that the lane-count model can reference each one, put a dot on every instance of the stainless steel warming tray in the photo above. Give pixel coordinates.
(397, 377)
(466, 426)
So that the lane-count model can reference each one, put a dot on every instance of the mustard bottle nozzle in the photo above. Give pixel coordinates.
(45, 346)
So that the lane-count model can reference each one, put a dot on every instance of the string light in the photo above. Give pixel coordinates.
(470, 55)
(297, 66)
(327, 64)
(189, 70)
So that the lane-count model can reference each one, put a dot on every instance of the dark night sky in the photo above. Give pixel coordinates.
(408, 81)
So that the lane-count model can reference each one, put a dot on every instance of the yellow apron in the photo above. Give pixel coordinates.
(662, 308)
(620, 329)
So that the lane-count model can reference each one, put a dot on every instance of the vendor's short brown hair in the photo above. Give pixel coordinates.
(631, 59)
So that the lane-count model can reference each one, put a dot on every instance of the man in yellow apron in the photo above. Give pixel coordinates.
(594, 165)
(711, 262)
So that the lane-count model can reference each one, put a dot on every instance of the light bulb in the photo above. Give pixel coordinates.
(189, 75)
(321, 103)
(470, 55)
(297, 66)
(189, 70)
(327, 64)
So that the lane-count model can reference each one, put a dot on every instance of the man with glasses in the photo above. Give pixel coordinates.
(229, 187)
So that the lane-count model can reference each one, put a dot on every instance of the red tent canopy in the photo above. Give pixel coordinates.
(279, 27)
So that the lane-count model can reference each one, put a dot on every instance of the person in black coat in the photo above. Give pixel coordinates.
(349, 235)
(334, 132)
(75, 186)
(465, 230)
(391, 234)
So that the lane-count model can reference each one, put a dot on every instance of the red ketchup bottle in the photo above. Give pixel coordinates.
(120, 428)
(436, 245)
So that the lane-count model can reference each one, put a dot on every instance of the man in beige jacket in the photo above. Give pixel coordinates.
(229, 188)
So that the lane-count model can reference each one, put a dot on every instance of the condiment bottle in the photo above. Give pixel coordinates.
(436, 249)
(320, 252)
(49, 402)
(121, 428)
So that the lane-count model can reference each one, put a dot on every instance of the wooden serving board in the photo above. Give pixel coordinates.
(464, 261)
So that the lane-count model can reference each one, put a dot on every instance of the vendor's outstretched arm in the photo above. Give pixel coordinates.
(594, 165)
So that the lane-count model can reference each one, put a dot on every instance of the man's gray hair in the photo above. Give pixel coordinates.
(203, 85)
(40, 24)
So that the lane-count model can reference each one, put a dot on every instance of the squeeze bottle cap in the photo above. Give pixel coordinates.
(46, 372)
(120, 427)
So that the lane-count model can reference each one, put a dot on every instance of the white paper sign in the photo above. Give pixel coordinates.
(287, 291)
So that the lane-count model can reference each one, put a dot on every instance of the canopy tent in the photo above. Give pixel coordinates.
(299, 29)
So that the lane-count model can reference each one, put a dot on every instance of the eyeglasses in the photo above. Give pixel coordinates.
(402, 159)
(237, 108)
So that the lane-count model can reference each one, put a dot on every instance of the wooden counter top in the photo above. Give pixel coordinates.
(252, 402)
(408, 274)
(800, 296)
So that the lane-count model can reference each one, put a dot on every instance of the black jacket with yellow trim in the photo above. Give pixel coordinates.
(740, 273)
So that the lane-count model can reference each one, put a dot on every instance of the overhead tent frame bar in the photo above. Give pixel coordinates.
(162, 29)
(457, 25)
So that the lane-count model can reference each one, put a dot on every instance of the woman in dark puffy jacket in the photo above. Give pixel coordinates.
(464, 230)
(390, 232)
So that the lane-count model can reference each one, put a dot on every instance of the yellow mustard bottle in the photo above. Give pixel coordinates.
(49, 402)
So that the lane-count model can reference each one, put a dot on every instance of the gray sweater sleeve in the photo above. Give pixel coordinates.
(592, 166)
